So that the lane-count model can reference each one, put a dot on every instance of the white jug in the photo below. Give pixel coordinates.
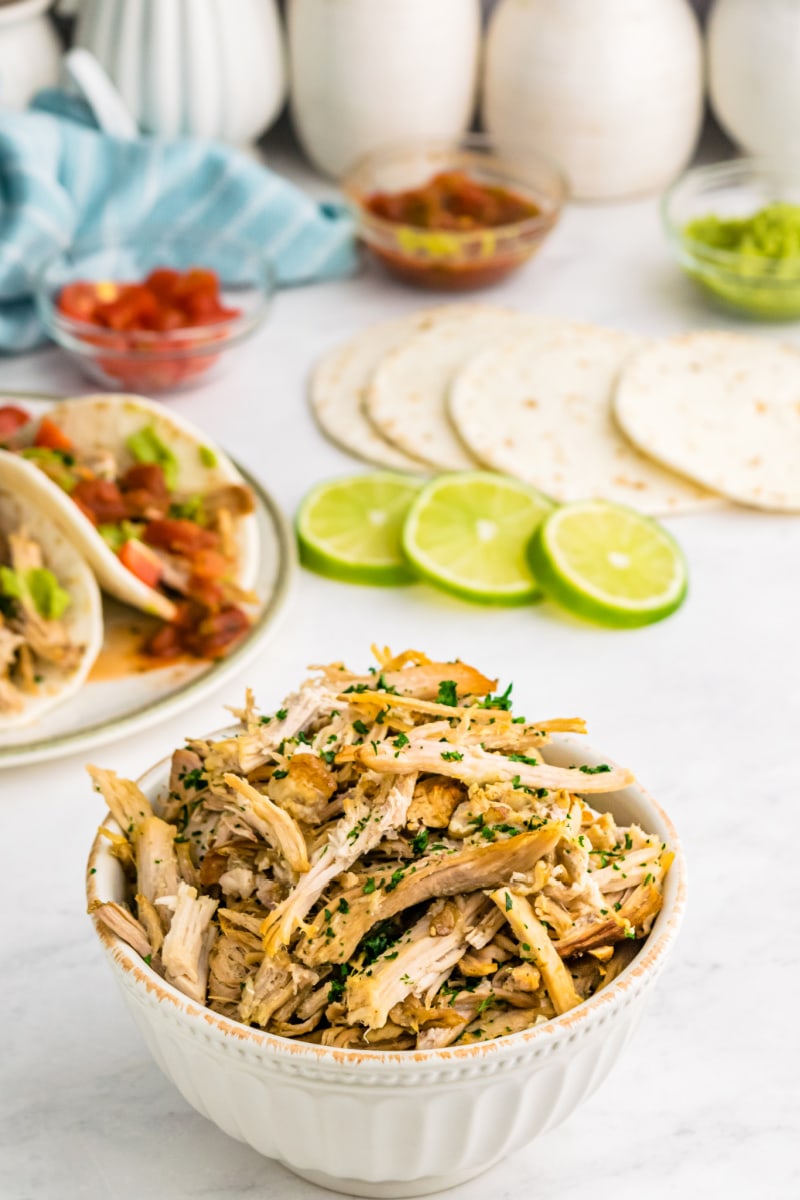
(30, 52)
(365, 73)
(610, 90)
(754, 73)
(211, 68)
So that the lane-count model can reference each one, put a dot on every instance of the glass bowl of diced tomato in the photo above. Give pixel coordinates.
(157, 312)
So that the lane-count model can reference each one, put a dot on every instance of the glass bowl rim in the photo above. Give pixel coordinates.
(733, 171)
(468, 142)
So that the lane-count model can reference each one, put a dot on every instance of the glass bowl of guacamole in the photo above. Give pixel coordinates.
(735, 228)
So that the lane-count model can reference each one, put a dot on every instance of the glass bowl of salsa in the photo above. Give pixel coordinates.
(451, 215)
(155, 312)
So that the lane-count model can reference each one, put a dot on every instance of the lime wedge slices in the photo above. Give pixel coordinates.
(609, 564)
(468, 532)
(350, 529)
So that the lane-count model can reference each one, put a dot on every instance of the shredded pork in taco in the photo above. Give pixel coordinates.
(33, 636)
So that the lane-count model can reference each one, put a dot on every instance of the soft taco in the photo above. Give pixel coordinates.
(163, 518)
(51, 623)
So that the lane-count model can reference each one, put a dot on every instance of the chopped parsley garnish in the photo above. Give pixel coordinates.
(600, 769)
(340, 973)
(447, 693)
(378, 941)
(344, 907)
(369, 886)
(328, 756)
(420, 842)
(628, 842)
(393, 882)
(282, 714)
(381, 716)
(509, 902)
(485, 1003)
(400, 741)
(279, 774)
(360, 727)
(502, 701)
(196, 778)
(452, 755)
(148, 958)
(524, 758)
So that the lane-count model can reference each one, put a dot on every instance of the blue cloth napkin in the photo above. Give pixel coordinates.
(61, 180)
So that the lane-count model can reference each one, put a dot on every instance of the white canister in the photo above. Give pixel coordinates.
(365, 73)
(209, 68)
(611, 90)
(754, 73)
(30, 52)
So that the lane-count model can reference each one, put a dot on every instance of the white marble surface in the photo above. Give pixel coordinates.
(705, 708)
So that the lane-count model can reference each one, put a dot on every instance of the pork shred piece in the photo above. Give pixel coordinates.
(187, 946)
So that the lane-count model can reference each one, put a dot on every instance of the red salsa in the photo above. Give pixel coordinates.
(453, 200)
(446, 210)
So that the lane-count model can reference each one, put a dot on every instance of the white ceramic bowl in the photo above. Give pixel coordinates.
(390, 1124)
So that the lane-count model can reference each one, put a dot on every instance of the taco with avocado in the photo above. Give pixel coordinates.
(164, 520)
(51, 622)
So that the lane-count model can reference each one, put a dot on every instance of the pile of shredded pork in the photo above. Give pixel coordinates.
(29, 642)
(387, 861)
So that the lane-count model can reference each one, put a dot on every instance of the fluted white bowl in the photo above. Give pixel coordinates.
(391, 1124)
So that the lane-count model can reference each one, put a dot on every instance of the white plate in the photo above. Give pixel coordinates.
(103, 711)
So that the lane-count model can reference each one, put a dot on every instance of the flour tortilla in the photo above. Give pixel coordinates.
(20, 511)
(407, 398)
(539, 407)
(102, 422)
(724, 409)
(339, 385)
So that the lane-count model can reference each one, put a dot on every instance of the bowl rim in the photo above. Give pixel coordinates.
(168, 344)
(640, 971)
(543, 222)
(732, 170)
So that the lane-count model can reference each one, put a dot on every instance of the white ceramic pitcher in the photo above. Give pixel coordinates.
(30, 52)
(365, 73)
(754, 73)
(211, 68)
(611, 90)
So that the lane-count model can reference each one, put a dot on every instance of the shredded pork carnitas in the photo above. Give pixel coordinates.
(387, 861)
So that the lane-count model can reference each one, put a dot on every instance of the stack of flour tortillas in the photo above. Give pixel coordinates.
(575, 410)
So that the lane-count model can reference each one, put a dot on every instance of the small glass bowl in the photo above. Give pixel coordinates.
(151, 361)
(759, 286)
(445, 259)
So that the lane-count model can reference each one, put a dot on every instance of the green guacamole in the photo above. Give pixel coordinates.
(762, 276)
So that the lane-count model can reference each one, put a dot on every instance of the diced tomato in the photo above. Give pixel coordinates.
(11, 419)
(135, 308)
(180, 536)
(140, 563)
(101, 500)
(216, 632)
(210, 564)
(161, 282)
(78, 301)
(50, 437)
(148, 477)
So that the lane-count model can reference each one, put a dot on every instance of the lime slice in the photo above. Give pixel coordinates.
(609, 564)
(468, 532)
(351, 528)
